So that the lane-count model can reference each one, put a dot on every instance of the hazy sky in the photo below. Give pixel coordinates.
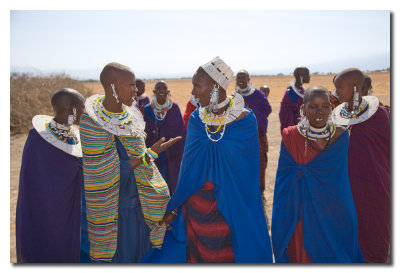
(175, 42)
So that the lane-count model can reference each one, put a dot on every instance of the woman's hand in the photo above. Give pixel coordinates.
(160, 146)
(168, 218)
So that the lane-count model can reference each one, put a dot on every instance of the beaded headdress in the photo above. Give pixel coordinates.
(219, 71)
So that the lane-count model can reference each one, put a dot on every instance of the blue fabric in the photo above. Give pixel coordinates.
(85, 245)
(48, 214)
(133, 234)
(293, 96)
(321, 189)
(233, 165)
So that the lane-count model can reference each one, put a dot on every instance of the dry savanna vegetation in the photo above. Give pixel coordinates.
(31, 96)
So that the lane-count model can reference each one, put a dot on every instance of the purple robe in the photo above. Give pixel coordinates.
(258, 102)
(142, 103)
(289, 114)
(172, 126)
(48, 218)
(369, 173)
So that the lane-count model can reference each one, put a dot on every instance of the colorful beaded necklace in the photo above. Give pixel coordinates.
(62, 132)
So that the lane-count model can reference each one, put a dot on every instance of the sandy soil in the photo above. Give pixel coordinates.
(180, 91)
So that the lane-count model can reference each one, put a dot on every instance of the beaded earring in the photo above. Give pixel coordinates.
(115, 95)
(214, 96)
(301, 80)
(72, 118)
(355, 100)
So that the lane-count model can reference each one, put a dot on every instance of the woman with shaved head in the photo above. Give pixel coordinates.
(48, 217)
(313, 217)
(369, 162)
(125, 193)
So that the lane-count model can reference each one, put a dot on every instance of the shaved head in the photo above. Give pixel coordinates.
(352, 74)
(300, 71)
(160, 82)
(112, 71)
(315, 90)
(65, 98)
(243, 72)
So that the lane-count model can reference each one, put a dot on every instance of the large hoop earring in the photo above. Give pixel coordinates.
(115, 95)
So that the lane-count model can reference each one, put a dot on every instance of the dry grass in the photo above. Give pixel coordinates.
(30, 95)
(180, 90)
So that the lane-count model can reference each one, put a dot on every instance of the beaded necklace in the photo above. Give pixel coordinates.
(62, 132)
(246, 91)
(160, 111)
(235, 108)
(353, 114)
(129, 122)
(312, 133)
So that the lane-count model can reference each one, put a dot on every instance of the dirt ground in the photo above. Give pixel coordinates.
(180, 91)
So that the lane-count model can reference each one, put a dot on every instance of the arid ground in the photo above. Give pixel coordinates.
(180, 90)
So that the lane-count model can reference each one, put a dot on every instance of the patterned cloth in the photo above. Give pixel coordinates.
(101, 168)
(208, 234)
(289, 112)
(369, 172)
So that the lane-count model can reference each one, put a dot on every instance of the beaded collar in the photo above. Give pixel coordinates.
(296, 90)
(65, 138)
(235, 108)
(369, 105)
(129, 122)
(313, 133)
(245, 91)
(160, 111)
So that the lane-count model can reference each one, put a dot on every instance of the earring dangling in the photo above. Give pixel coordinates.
(72, 118)
(301, 80)
(214, 96)
(115, 95)
(355, 100)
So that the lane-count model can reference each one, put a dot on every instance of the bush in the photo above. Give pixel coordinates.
(31, 95)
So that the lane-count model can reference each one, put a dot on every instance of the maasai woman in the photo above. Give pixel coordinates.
(220, 216)
(141, 99)
(289, 112)
(313, 217)
(369, 162)
(48, 217)
(258, 103)
(164, 119)
(126, 195)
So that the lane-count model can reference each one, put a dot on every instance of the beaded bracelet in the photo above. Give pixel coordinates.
(144, 159)
(151, 153)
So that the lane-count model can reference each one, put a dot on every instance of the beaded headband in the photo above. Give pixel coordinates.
(219, 71)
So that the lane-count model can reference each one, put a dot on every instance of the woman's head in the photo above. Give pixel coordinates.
(348, 81)
(161, 92)
(317, 107)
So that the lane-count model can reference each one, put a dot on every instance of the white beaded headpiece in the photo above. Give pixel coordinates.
(219, 72)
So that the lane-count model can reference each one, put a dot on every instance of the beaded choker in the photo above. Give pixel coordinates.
(353, 114)
(129, 122)
(62, 133)
(160, 111)
(235, 108)
(313, 133)
(296, 90)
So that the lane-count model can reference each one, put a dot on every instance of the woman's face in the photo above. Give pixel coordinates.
(344, 89)
(161, 92)
(202, 88)
(125, 87)
(317, 110)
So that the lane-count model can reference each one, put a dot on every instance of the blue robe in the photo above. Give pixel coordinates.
(48, 217)
(233, 165)
(321, 190)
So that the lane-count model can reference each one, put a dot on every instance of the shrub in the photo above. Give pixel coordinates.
(30, 95)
